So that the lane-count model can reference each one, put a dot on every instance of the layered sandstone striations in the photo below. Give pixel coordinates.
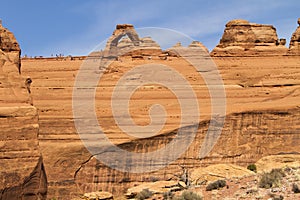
(246, 137)
(242, 38)
(295, 41)
(22, 174)
(262, 97)
(10, 46)
(12, 85)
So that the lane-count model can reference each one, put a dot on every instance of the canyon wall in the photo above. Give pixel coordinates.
(22, 173)
(261, 78)
(246, 137)
(262, 96)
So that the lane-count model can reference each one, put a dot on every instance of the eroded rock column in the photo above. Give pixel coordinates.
(22, 173)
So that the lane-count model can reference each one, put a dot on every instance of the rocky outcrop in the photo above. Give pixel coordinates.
(156, 187)
(98, 196)
(263, 96)
(12, 85)
(246, 137)
(294, 48)
(202, 175)
(125, 33)
(22, 173)
(125, 40)
(9, 44)
(242, 38)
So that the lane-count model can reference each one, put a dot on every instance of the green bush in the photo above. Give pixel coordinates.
(216, 185)
(188, 195)
(168, 195)
(271, 179)
(144, 194)
(295, 188)
(252, 167)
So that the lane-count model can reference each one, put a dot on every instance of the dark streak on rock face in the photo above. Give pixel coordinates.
(33, 187)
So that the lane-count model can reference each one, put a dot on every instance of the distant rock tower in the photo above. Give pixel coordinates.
(242, 38)
(294, 48)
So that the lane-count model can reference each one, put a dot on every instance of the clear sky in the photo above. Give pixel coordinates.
(75, 27)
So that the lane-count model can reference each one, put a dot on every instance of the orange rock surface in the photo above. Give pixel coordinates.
(22, 173)
(262, 112)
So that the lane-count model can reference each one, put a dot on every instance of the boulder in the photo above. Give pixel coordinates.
(98, 196)
(219, 171)
(158, 187)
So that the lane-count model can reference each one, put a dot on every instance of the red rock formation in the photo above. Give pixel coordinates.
(246, 137)
(12, 85)
(22, 174)
(242, 38)
(263, 118)
(295, 41)
(8, 43)
(125, 40)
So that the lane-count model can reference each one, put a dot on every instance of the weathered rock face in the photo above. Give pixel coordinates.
(262, 95)
(22, 174)
(295, 41)
(246, 137)
(242, 38)
(12, 86)
(9, 44)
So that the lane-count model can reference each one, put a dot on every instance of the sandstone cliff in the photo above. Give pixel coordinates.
(242, 38)
(295, 41)
(22, 174)
(262, 107)
(246, 138)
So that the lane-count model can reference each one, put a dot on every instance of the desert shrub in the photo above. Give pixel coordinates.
(188, 195)
(295, 188)
(168, 195)
(153, 179)
(252, 167)
(144, 194)
(271, 179)
(216, 185)
(276, 197)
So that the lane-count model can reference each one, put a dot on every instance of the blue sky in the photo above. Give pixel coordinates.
(76, 27)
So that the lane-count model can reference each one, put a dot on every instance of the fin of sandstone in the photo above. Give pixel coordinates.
(22, 173)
